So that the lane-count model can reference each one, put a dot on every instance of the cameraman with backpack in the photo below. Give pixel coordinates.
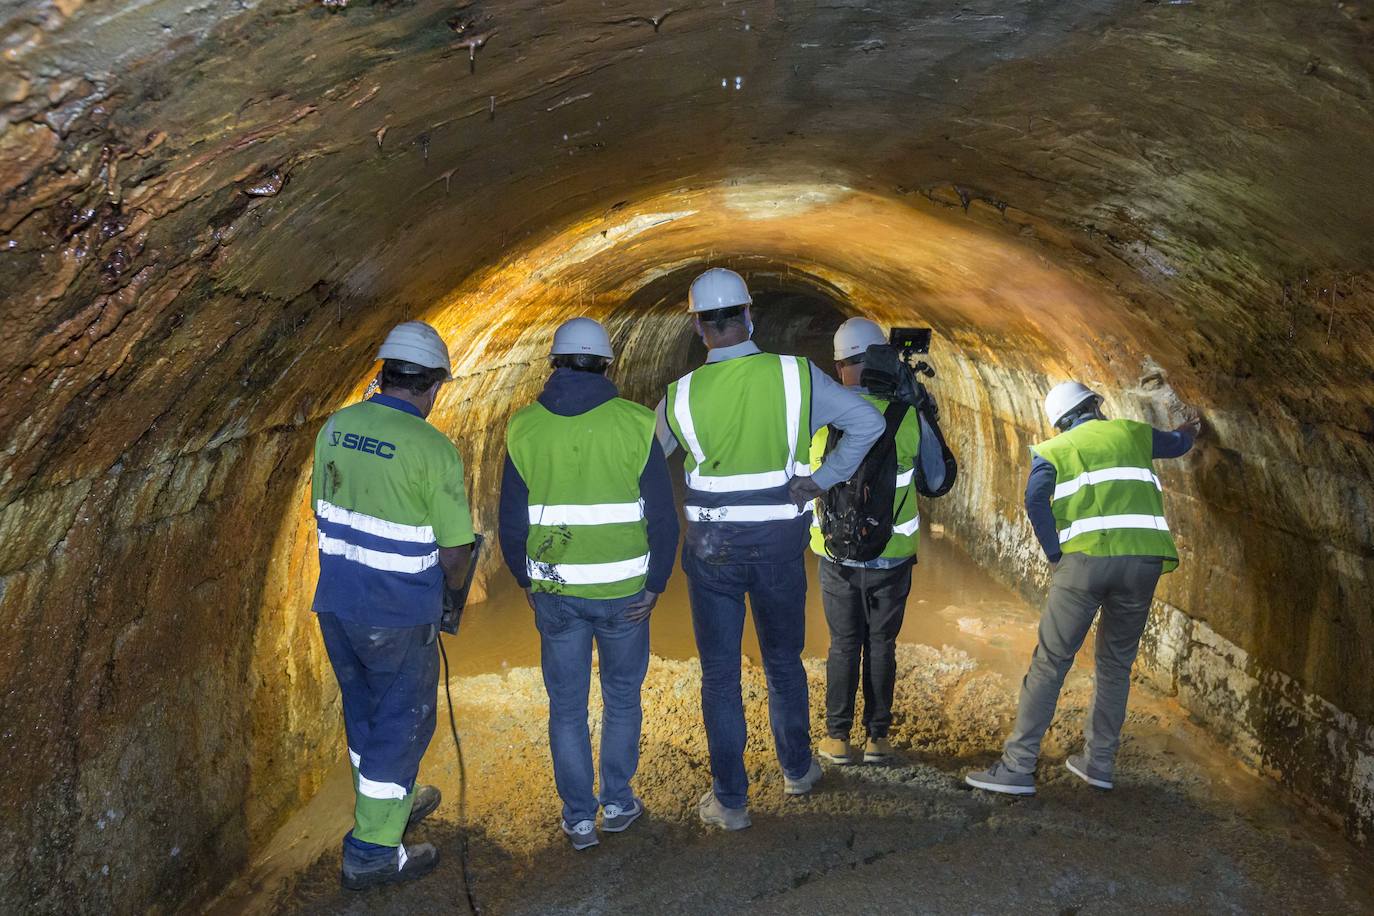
(866, 557)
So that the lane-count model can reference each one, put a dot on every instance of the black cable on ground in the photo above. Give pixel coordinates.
(462, 791)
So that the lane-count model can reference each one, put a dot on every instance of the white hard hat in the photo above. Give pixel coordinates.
(418, 343)
(581, 335)
(1063, 398)
(855, 336)
(718, 288)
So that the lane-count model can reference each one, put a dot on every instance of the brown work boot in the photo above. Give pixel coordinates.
(835, 750)
(878, 750)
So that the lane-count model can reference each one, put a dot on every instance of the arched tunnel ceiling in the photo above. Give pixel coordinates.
(1177, 153)
(209, 214)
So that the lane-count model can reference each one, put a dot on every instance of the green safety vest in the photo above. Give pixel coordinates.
(1107, 500)
(745, 424)
(906, 515)
(588, 537)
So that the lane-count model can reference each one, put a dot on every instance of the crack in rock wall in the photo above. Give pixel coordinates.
(209, 215)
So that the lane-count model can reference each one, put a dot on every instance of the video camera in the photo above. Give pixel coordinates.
(891, 369)
(910, 342)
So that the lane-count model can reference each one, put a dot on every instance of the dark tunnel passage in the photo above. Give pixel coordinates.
(211, 214)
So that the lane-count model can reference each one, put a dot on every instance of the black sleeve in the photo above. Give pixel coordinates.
(1170, 444)
(1039, 494)
(514, 520)
(660, 515)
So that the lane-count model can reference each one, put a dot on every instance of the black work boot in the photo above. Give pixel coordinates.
(426, 800)
(409, 863)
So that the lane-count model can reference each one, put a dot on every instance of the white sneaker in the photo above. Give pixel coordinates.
(801, 786)
(582, 835)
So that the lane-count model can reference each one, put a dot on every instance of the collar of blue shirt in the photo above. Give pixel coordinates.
(387, 400)
(721, 354)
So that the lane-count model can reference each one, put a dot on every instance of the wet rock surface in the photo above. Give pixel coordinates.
(210, 213)
(1184, 831)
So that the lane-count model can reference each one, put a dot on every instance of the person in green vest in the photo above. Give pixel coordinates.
(865, 601)
(745, 421)
(589, 530)
(394, 533)
(1097, 509)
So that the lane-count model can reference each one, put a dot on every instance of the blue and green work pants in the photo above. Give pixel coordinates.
(388, 677)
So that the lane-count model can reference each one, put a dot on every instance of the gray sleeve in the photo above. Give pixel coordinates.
(832, 404)
(666, 440)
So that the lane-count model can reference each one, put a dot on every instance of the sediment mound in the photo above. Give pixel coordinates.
(906, 837)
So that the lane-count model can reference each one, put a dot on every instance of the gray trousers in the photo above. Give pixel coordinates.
(1123, 588)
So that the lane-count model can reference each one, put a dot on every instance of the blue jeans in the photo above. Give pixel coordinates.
(777, 598)
(567, 626)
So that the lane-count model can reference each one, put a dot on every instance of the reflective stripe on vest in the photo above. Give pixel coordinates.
(909, 527)
(1091, 478)
(587, 573)
(595, 514)
(1113, 523)
(775, 513)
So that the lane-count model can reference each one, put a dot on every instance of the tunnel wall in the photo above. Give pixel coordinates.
(209, 214)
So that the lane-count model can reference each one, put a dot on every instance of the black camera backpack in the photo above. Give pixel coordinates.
(856, 516)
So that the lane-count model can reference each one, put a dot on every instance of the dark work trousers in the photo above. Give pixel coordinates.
(864, 610)
(388, 677)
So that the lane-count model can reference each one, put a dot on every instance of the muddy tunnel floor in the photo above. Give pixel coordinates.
(1186, 830)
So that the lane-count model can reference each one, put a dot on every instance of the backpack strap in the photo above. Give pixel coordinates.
(892, 416)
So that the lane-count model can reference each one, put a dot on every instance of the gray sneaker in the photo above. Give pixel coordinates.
(582, 835)
(801, 786)
(1079, 766)
(714, 814)
(997, 778)
(614, 818)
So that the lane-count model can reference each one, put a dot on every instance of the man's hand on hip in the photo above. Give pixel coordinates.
(643, 605)
(529, 598)
(802, 490)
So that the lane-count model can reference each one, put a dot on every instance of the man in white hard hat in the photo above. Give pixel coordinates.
(589, 530)
(865, 600)
(394, 531)
(1097, 509)
(745, 420)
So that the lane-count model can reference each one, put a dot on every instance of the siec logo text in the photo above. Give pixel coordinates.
(365, 444)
